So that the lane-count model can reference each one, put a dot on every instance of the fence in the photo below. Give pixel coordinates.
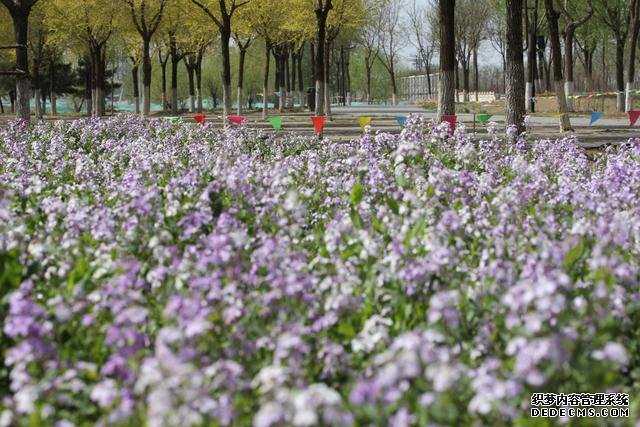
(424, 87)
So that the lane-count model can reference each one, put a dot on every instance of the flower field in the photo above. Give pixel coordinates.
(184, 276)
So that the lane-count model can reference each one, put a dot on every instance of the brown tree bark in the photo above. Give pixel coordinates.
(176, 57)
(617, 19)
(294, 74)
(163, 67)
(530, 89)
(265, 84)
(222, 20)
(239, 101)
(136, 86)
(446, 84)
(515, 102)
(476, 74)
(98, 87)
(322, 8)
(52, 86)
(190, 65)
(19, 11)
(88, 84)
(634, 29)
(554, 38)
(569, 34)
(146, 26)
(300, 81)
(199, 59)
(325, 94)
(37, 47)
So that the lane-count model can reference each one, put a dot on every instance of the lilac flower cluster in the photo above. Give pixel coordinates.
(161, 274)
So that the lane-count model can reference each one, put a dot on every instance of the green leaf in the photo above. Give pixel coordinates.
(346, 329)
(393, 205)
(573, 256)
(352, 250)
(356, 193)
(356, 219)
(10, 270)
(402, 181)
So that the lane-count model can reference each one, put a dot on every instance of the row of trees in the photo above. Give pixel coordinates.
(589, 24)
(451, 32)
(178, 30)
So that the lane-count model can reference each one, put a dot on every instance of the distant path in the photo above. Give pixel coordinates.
(604, 131)
(580, 120)
(343, 124)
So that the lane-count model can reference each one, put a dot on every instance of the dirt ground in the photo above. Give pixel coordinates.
(547, 104)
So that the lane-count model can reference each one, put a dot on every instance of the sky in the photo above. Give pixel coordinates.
(486, 55)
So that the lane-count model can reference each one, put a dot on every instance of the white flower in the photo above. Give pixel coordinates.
(6, 418)
(375, 330)
(613, 352)
(105, 393)
(270, 414)
(291, 201)
(25, 399)
(305, 417)
(269, 378)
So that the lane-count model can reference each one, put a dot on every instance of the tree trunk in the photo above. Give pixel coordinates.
(588, 69)
(283, 82)
(475, 72)
(243, 54)
(530, 91)
(446, 101)
(101, 80)
(368, 73)
(514, 90)
(568, 65)
(394, 87)
(321, 11)
(457, 80)
(287, 79)
(87, 84)
(136, 89)
(175, 60)
(504, 73)
(465, 80)
(43, 98)
(326, 94)
(540, 80)
(633, 41)
(52, 86)
(603, 81)
(280, 79)
(428, 70)
(163, 68)
(554, 38)
(146, 76)
(265, 83)
(300, 81)
(620, 74)
(312, 53)
(36, 87)
(225, 36)
(348, 82)
(199, 79)
(192, 86)
(20, 17)
(294, 75)
(547, 74)
(36, 78)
